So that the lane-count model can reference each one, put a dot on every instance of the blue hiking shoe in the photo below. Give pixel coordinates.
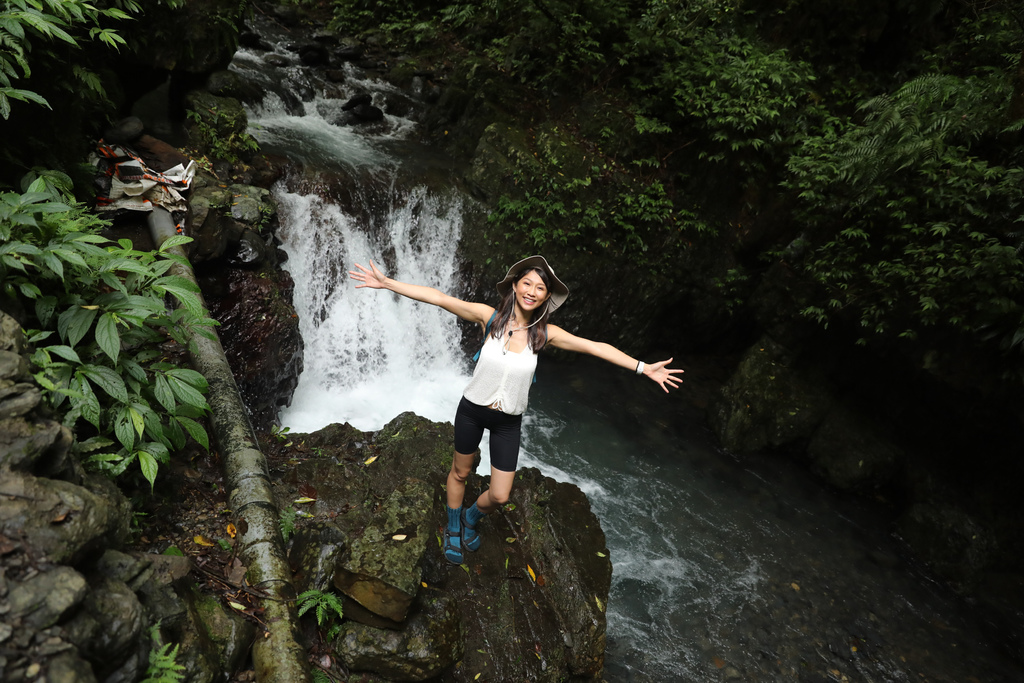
(453, 536)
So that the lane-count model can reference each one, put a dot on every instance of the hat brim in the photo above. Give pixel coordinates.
(559, 292)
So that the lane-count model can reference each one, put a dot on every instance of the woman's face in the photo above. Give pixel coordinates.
(531, 292)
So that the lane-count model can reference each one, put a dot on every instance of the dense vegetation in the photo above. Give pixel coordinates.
(873, 147)
(96, 312)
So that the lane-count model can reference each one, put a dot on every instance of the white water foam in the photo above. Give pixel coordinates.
(370, 354)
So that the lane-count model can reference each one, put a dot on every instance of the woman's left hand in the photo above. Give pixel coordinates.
(663, 375)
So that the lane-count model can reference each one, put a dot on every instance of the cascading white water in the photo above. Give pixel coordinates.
(370, 354)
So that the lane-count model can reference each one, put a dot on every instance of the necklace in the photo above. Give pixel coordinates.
(508, 340)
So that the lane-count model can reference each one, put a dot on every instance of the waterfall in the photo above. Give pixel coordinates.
(370, 354)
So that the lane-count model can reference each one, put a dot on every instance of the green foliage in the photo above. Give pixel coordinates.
(329, 612)
(218, 138)
(27, 27)
(286, 521)
(745, 105)
(554, 209)
(163, 661)
(912, 227)
(102, 315)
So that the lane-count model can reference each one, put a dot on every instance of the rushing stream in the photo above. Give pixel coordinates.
(725, 568)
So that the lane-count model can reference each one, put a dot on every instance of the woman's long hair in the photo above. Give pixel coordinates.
(537, 334)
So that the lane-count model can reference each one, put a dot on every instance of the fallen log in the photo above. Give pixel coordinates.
(277, 657)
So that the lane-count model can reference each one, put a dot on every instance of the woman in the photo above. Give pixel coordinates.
(496, 397)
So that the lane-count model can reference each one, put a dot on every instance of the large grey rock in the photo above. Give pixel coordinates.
(430, 641)
(381, 570)
(63, 521)
(43, 600)
(554, 574)
(313, 556)
(108, 630)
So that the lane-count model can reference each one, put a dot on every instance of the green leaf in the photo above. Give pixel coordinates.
(186, 393)
(107, 336)
(174, 241)
(194, 378)
(149, 467)
(108, 380)
(195, 430)
(74, 323)
(65, 352)
(163, 393)
(123, 429)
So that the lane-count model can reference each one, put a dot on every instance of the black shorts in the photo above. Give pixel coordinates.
(470, 422)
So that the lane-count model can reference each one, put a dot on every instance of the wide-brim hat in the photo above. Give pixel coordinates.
(558, 291)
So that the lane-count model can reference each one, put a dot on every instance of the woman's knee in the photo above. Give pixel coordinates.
(461, 466)
(498, 497)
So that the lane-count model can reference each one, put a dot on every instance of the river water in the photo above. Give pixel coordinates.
(725, 567)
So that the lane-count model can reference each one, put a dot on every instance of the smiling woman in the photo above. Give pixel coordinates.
(496, 397)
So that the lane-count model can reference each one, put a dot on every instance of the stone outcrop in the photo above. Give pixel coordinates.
(378, 513)
(73, 606)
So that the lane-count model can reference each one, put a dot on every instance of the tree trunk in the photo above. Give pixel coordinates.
(277, 658)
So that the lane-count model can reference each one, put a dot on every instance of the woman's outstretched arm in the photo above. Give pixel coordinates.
(373, 278)
(658, 372)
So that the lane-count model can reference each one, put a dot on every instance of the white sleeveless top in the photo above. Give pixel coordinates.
(502, 379)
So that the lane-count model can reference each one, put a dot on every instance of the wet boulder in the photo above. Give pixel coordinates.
(769, 402)
(313, 555)
(260, 333)
(44, 599)
(543, 561)
(852, 453)
(949, 540)
(108, 630)
(381, 569)
(430, 641)
(64, 521)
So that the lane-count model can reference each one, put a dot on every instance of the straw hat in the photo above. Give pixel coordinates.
(558, 291)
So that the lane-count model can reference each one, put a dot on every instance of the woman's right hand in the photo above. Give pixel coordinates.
(371, 277)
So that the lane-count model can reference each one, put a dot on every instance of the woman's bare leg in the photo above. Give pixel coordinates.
(461, 466)
(498, 492)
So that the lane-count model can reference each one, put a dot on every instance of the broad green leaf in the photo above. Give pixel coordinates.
(65, 352)
(186, 393)
(149, 467)
(163, 393)
(74, 323)
(194, 378)
(107, 336)
(138, 422)
(123, 428)
(187, 298)
(174, 241)
(195, 430)
(107, 379)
